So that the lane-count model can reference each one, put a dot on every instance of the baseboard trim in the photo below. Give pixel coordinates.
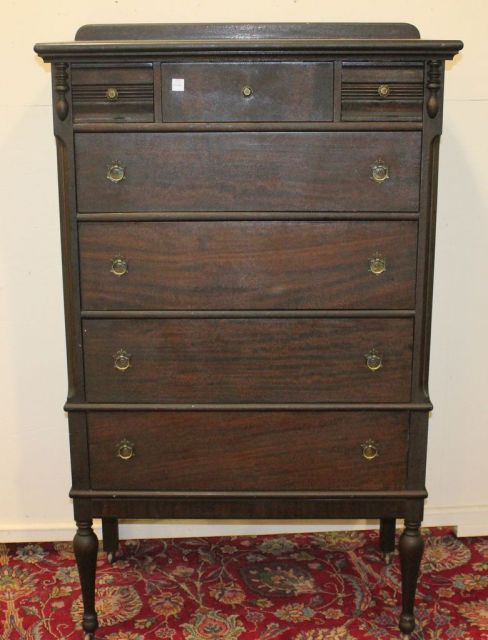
(469, 521)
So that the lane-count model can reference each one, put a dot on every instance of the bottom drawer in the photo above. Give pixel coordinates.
(248, 450)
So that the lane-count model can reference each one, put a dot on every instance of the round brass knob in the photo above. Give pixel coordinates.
(125, 449)
(377, 264)
(384, 90)
(119, 266)
(380, 171)
(112, 94)
(374, 360)
(370, 450)
(116, 172)
(247, 91)
(122, 360)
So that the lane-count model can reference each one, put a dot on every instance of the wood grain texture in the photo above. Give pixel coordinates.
(247, 265)
(248, 360)
(294, 91)
(221, 451)
(298, 171)
(184, 31)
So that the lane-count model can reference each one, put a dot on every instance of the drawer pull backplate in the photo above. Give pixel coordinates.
(374, 360)
(370, 450)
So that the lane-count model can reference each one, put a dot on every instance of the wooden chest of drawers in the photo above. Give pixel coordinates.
(248, 217)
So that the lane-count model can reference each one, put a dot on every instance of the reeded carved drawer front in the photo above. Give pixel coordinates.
(382, 92)
(248, 451)
(248, 265)
(300, 171)
(115, 93)
(247, 91)
(263, 360)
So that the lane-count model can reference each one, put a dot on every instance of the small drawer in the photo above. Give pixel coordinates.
(382, 92)
(248, 265)
(248, 451)
(244, 92)
(264, 360)
(113, 93)
(221, 171)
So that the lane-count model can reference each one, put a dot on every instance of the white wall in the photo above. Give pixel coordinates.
(34, 468)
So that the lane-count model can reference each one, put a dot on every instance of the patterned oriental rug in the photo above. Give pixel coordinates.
(315, 586)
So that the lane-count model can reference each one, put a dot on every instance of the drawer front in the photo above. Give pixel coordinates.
(265, 360)
(301, 171)
(247, 91)
(248, 265)
(382, 92)
(248, 451)
(113, 93)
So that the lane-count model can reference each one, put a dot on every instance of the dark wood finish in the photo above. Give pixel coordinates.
(134, 100)
(222, 213)
(287, 171)
(85, 546)
(251, 507)
(411, 549)
(244, 31)
(292, 91)
(248, 451)
(248, 360)
(361, 99)
(248, 265)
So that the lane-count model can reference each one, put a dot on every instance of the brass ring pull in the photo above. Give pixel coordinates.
(247, 91)
(112, 94)
(116, 172)
(384, 90)
(370, 450)
(377, 264)
(374, 360)
(380, 171)
(119, 266)
(125, 449)
(122, 360)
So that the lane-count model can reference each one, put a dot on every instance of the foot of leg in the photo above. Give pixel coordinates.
(411, 549)
(85, 545)
(387, 538)
(110, 534)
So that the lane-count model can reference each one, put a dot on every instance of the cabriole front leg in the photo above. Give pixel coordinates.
(85, 545)
(411, 548)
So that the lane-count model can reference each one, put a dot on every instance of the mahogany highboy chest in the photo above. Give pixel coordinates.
(248, 217)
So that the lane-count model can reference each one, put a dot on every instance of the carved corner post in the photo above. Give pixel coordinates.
(411, 549)
(434, 73)
(61, 86)
(85, 545)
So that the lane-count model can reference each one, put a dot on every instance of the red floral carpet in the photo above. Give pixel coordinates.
(331, 586)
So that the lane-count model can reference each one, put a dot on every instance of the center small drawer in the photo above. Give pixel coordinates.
(248, 265)
(248, 450)
(247, 91)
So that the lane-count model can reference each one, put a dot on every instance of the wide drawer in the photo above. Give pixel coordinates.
(247, 265)
(299, 171)
(266, 360)
(248, 451)
(247, 91)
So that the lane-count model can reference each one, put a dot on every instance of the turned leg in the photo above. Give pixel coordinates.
(85, 545)
(387, 538)
(110, 534)
(411, 548)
